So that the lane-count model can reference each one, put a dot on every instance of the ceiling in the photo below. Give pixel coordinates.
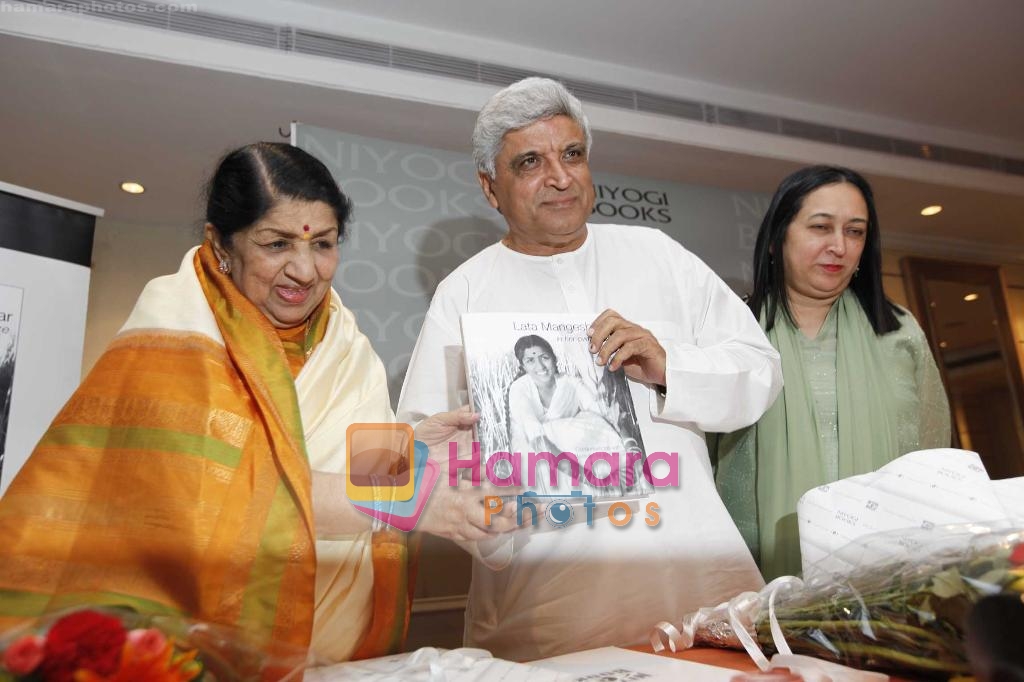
(946, 63)
(79, 121)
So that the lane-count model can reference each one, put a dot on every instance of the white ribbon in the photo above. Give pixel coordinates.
(666, 635)
(785, 582)
(742, 612)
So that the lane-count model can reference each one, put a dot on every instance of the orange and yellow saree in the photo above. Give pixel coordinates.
(178, 478)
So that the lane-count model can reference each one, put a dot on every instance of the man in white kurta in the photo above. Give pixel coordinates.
(538, 594)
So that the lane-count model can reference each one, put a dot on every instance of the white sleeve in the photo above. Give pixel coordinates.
(729, 375)
(436, 378)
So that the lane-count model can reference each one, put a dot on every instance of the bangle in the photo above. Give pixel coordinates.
(377, 523)
(383, 500)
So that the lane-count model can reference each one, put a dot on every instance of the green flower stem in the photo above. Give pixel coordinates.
(877, 625)
(902, 658)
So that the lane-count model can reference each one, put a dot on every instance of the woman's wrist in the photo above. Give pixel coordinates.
(334, 514)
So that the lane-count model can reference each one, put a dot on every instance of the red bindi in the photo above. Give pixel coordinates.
(305, 228)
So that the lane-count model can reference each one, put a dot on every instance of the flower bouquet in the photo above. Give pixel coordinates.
(117, 645)
(904, 616)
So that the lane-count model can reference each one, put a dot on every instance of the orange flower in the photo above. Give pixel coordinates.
(147, 666)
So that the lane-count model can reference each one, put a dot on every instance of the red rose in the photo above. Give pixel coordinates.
(24, 655)
(1017, 555)
(83, 640)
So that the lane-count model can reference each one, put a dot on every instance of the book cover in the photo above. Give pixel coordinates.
(538, 389)
(10, 319)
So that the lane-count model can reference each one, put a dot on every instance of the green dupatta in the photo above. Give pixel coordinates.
(890, 402)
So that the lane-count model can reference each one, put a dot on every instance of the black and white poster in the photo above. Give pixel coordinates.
(45, 257)
(538, 389)
(10, 318)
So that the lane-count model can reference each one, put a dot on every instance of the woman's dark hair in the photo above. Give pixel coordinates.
(250, 180)
(526, 342)
(769, 272)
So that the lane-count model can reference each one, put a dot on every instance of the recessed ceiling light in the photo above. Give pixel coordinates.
(943, 344)
(931, 210)
(971, 297)
(132, 187)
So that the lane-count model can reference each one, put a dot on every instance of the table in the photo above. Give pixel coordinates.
(723, 658)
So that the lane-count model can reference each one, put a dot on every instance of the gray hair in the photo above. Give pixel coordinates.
(518, 106)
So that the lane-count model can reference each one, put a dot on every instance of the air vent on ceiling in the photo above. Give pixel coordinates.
(289, 39)
(966, 157)
(874, 143)
(494, 74)
(436, 64)
(736, 118)
(809, 131)
(336, 47)
(144, 15)
(601, 94)
(680, 108)
(225, 28)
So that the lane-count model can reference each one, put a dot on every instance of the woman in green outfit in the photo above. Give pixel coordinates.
(861, 386)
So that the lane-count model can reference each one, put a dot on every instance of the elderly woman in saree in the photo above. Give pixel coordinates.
(199, 468)
(861, 385)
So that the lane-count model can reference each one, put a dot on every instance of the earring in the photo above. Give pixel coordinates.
(224, 266)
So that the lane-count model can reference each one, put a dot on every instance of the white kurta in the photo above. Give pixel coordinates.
(588, 586)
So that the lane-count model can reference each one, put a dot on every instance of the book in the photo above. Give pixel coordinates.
(551, 417)
(614, 664)
(10, 322)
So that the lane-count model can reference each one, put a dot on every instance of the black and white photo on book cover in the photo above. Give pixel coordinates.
(538, 389)
(10, 316)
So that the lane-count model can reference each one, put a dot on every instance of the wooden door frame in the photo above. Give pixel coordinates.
(916, 270)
